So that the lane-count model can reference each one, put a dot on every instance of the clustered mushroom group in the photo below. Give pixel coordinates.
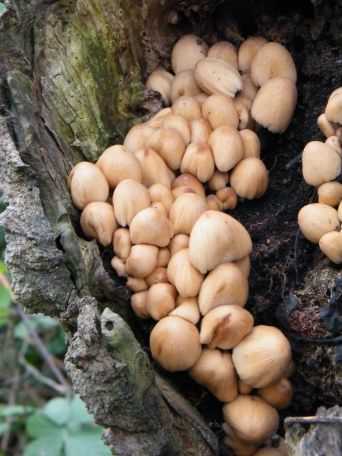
(320, 222)
(158, 200)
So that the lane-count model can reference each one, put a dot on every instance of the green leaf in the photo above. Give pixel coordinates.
(38, 425)
(79, 414)
(86, 442)
(15, 410)
(46, 446)
(58, 410)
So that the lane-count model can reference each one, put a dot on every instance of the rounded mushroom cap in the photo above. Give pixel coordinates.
(249, 90)
(179, 242)
(151, 226)
(198, 161)
(333, 110)
(180, 124)
(175, 344)
(87, 184)
(217, 238)
(137, 137)
(224, 285)
(248, 50)
(187, 52)
(227, 147)
(187, 308)
(218, 181)
(251, 143)
(275, 104)
(214, 76)
(161, 194)
(185, 211)
(187, 107)
(214, 370)
(129, 198)
(138, 304)
(183, 275)
(272, 61)
(249, 178)
(157, 120)
(228, 198)
(142, 260)
(121, 243)
(240, 447)
(170, 145)
(320, 163)
(251, 418)
(317, 219)
(225, 326)
(200, 131)
(161, 300)
(154, 169)
(160, 81)
(159, 275)
(184, 84)
(325, 126)
(98, 222)
(189, 181)
(244, 265)
(262, 357)
(331, 245)
(220, 111)
(330, 193)
(223, 50)
(278, 394)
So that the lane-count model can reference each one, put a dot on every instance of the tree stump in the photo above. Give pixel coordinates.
(72, 76)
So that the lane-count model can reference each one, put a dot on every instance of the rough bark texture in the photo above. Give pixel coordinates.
(71, 77)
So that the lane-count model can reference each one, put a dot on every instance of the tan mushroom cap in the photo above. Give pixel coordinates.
(214, 204)
(175, 344)
(180, 124)
(249, 90)
(217, 238)
(87, 184)
(129, 198)
(163, 258)
(98, 222)
(122, 243)
(220, 111)
(223, 50)
(159, 275)
(252, 419)
(244, 388)
(272, 61)
(187, 107)
(334, 142)
(225, 326)
(184, 84)
(151, 226)
(154, 169)
(214, 76)
(119, 266)
(179, 242)
(214, 370)
(243, 108)
(188, 50)
(248, 50)
(251, 143)
(187, 180)
(275, 104)
(218, 181)
(244, 265)
(185, 211)
(183, 275)
(161, 300)
(161, 194)
(169, 144)
(224, 285)
(240, 447)
(331, 245)
(137, 137)
(200, 131)
(142, 260)
(249, 178)
(262, 357)
(136, 285)
(333, 110)
(157, 120)
(138, 304)
(187, 308)
(330, 193)
(320, 163)
(198, 160)
(317, 219)
(160, 81)
(227, 147)
(228, 198)
(325, 126)
(278, 394)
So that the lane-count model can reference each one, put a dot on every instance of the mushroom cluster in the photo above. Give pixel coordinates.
(320, 222)
(158, 200)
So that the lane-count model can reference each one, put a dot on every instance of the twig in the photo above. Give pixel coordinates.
(61, 389)
(313, 420)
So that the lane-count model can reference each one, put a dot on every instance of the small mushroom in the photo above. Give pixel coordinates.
(119, 266)
(334, 142)
(161, 194)
(220, 111)
(185, 211)
(98, 222)
(223, 50)
(214, 204)
(244, 265)
(200, 131)
(122, 243)
(188, 50)
(117, 164)
(198, 161)
(214, 76)
(240, 447)
(180, 124)
(330, 193)
(161, 300)
(157, 120)
(225, 326)
(137, 137)
(129, 198)
(317, 219)
(187, 107)
(179, 242)
(333, 110)
(224, 285)
(251, 418)
(217, 238)
(262, 357)
(188, 181)
(249, 178)
(175, 344)
(184, 84)
(169, 144)
(159, 275)
(251, 143)
(244, 388)
(325, 126)
(154, 169)
(218, 181)
(138, 304)
(272, 61)
(163, 258)
(183, 275)
(249, 90)
(87, 184)
(228, 198)
(136, 285)
(248, 50)
(278, 394)
(187, 308)
(227, 147)
(275, 104)
(214, 370)
(142, 260)
(160, 81)
(320, 163)
(331, 245)
(151, 226)
(243, 109)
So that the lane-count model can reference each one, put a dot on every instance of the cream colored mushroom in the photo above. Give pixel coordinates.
(185, 211)
(137, 137)
(188, 50)
(184, 84)
(187, 308)
(240, 447)
(243, 108)
(249, 178)
(331, 245)
(214, 204)
(169, 144)
(325, 126)
(122, 243)
(320, 163)
(334, 142)
(175, 344)
(217, 238)
(333, 110)
(225, 326)
(87, 184)
(160, 81)
(214, 370)
(200, 131)
(119, 266)
(180, 124)
(136, 285)
(227, 147)
(154, 169)
(187, 181)
(157, 120)
(223, 50)
(198, 160)
(138, 304)
(330, 193)
(278, 394)
(249, 90)
(129, 198)
(161, 300)
(163, 258)
(187, 107)
(220, 111)
(262, 357)
(179, 242)
(218, 181)
(159, 275)
(244, 388)
(161, 194)
(142, 260)
(248, 51)
(151, 226)
(228, 198)
(183, 275)
(317, 219)
(272, 61)
(275, 104)
(244, 265)
(251, 143)
(98, 222)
